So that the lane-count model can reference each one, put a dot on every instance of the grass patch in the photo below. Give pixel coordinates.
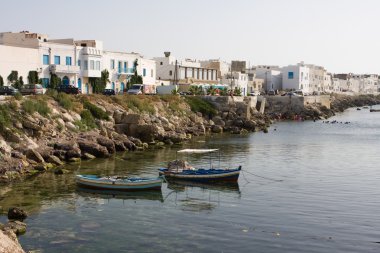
(95, 111)
(65, 101)
(18, 96)
(40, 106)
(141, 103)
(87, 122)
(199, 105)
(5, 117)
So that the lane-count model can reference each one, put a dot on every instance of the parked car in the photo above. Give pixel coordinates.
(290, 94)
(69, 89)
(109, 92)
(271, 93)
(8, 90)
(255, 93)
(32, 89)
(137, 89)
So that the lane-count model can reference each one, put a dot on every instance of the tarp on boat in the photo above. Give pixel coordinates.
(197, 151)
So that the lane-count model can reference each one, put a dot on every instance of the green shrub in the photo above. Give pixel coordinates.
(18, 96)
(87, 120)
(5, 117)
(40, 106)
(95, 111)
(52, 93)
(141, 103)
(199, 105)
(65, 101)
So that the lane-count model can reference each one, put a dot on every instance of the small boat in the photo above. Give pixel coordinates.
(358, 109)
(180, 170)
(374, 110)
(119, 183)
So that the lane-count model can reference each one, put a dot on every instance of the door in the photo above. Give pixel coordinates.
(66, 81)
(87, 89)
(122, 88)
(80, 84)
(113, 86)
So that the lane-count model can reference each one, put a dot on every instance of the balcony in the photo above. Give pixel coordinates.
(64, 69)
(126, 71)
(92, 51)
(91, 73)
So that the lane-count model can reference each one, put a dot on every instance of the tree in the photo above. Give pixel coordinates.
(135, 78)
(1, 81)
(211, 91)
(19, 83)
(13, 77)
(55, 81)
(33, 77)
(237, 91)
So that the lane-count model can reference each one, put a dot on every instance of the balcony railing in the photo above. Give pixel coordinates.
(126, 70)
(64, 69)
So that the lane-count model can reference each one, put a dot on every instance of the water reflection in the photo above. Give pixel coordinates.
(135, 195)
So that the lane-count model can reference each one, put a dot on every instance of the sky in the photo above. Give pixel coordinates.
(341, 35)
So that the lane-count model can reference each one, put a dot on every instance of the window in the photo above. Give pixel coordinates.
(125, 67)
(68, 60)
(79, 64)
(151, 73)
(144, 72)
(92, 65)
(161, 63)
(170, 73)
(57, 60)
(85, 65)
(45, 82)
(290, 75)
(119, 66)
(45, 59)
(97, 65)
(112, 64)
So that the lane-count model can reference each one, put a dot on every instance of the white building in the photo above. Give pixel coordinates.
(74, 62)
(236, 80)
(185, 72)
(222, 67)
(271, 75)
(296, 77)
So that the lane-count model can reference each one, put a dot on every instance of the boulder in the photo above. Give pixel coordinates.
(73, 153)
(88, 156)
(54, 160)
(40, 167)
(60, 171)
(69, 125)
(135, 119)
(117, 115)
(218, 121)
(74, 160)
(15, 213)
(65, 146)
(35, 156)
(17, 227)
(31, 125)
(217, 129)
(109, 144)
(67, 117)
(93, 148)
(9, 242)
(75, 116)
(119, 145)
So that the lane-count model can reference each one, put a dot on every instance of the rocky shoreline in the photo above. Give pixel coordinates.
(41, 133)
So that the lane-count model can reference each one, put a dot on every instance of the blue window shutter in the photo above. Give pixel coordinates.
(45, 59)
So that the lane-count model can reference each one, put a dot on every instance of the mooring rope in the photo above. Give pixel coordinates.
(267, 178)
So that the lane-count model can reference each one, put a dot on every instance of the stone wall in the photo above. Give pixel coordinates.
(293, 103)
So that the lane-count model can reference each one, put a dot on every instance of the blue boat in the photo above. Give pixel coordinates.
(180, 170)
(119, 183)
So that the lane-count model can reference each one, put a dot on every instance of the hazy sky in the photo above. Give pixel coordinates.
(342, 35)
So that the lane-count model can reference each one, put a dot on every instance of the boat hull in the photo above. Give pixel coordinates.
(228, 176)
(119, 186)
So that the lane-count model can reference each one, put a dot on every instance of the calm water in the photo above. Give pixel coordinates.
(319, 191)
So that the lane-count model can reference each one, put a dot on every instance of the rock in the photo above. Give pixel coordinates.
(15, 213)
(73, 153)
(119, 145)
(35, 156)
(16, 226)
(40, 167)
(65, 146)
(9, 243)
(218, 121)
(71, 126)
(145, 145)
(93, 148)
(75, 116)
(88, 156)
(5, 148)
(244, 131)
(132, 119)
(67, 117)
(54, 160)
(30, 125)
(60, 171)
(109, 144)
(117, 115)
(74, 160)
(60, 122)
(235, 130)
(217, 129)
(265, 130)
(168, 142)
(11, 136)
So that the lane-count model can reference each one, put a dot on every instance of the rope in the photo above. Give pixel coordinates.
(267, 178)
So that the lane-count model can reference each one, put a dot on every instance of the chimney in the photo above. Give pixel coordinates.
(167, 54)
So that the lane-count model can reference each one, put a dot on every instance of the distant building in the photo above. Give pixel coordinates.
(296, 77)
(238, 66)
(222, 67)
(236, 80)
(271, 75)
(184, 72)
